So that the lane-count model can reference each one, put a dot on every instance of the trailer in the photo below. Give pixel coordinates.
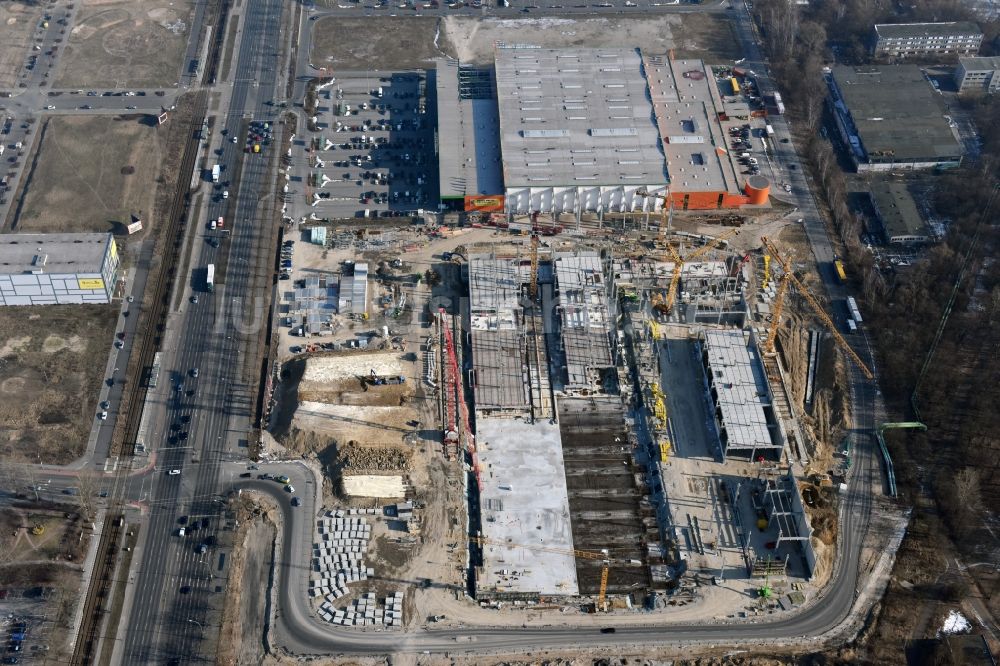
(769, 129)
(210, 277)
(852, 306)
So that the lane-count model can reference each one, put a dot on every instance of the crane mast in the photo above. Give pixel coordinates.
(789, 277)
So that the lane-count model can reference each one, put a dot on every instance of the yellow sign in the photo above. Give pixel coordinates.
(90, 283)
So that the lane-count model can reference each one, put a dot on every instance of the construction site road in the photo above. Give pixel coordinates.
(299, 631)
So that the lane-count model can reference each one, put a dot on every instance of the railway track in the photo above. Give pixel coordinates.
(148, 342)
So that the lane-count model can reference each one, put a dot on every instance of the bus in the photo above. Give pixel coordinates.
(210, 277)
(838, 266)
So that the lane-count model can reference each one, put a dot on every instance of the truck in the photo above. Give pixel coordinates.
(210, 277)
(216, 172)
(852, 305)
(769, 129)
(779, 106)
(838, 266)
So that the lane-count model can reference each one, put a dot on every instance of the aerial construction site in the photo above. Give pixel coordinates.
(631, 443)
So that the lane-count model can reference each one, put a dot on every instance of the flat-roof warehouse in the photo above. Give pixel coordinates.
(892, 118)
(586, 129)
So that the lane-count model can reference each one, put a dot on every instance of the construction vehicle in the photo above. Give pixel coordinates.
(603, 556)
(788, 278)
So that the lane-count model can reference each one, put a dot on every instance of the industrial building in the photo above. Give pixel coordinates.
(49, 269)
(737, 382)
(353, 297)
(471, 174)
(978, 75)
(586, 130)
(891, 118)
(904, 40)
(622, 449)
(897, 213)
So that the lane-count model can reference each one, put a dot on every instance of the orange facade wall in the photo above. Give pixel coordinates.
(708, 200)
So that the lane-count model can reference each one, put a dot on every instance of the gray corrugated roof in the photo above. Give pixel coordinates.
(576, 117)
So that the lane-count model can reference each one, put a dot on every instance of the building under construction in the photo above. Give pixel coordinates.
(630, 435)
(558, 486)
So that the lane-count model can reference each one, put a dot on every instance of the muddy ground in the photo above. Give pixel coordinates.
(242, 632)
(415, 42)
(52, 363)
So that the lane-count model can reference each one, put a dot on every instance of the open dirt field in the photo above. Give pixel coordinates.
(400, 44)
(126, 44)
(52, 362)
(413, 43)
(91, 174)
(18, 21)
(244, 616)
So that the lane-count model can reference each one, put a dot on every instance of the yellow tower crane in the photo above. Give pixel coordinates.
(603, 556)
(666, 210)
(788, 277)
(767, 271)
(533, 290)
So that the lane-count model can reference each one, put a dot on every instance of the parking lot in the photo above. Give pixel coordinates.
(752, 146)
(372, 152)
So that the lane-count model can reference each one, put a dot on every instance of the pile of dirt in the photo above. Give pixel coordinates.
(245, 609)
(355, 458)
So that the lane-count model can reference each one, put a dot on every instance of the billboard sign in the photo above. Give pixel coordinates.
(90, 283)
(487, 204)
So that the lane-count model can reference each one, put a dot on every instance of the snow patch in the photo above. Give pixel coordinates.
(955, 623)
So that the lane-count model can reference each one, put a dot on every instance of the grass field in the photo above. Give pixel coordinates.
(91, 173)
(52, 362)
(18, 21)
(125, 43)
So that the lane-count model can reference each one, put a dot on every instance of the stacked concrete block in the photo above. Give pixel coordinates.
(337, 561)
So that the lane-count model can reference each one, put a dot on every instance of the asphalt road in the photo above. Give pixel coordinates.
(175, 587)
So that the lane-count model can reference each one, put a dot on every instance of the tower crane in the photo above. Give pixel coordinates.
(788, 278)
(666, 210)
(603, 556)
(679, 262)
(533, 288)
